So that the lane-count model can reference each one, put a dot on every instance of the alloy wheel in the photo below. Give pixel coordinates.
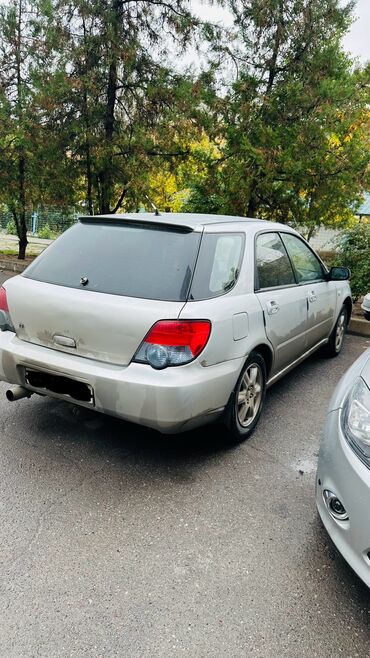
(340, 331)
(249, 395)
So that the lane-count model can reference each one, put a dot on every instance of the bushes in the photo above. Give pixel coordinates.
(329, 257)
(354, 252)
(45, 233)
(11, 228)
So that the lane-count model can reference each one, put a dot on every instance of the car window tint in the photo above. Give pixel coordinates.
(218, 264)
(136, 260)
(306, 265)
(273, 265)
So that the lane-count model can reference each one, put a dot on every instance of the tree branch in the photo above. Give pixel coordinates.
(120, 200)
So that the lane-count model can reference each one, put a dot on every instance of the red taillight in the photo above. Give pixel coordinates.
(173, 342)
(5, 320)
(3, 301)
(181, 333)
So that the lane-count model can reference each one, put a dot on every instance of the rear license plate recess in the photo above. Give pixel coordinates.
(71, 388)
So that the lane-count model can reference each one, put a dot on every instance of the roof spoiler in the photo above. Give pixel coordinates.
(154, 222)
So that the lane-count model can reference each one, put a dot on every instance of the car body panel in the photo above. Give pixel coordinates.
(285, 315)
(104, 327)
(222, 345)
(321, 304)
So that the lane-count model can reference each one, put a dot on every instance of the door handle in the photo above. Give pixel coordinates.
(311, 296)
(272, 307)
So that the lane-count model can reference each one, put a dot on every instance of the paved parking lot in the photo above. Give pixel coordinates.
(5, 275)
(116, 541)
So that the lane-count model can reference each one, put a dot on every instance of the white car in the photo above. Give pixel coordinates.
(343, 473)
(366, 306)
(170, 321)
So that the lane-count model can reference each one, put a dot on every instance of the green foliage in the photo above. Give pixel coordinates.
(202, 200)
(295, 122)
(328, 257)
(45, 233)
(354, 252)
(95, 114)
(11, 228)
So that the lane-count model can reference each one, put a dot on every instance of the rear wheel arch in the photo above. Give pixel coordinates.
(266, 353)
(348, 304)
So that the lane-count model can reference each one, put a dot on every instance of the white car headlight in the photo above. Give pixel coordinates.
(356, 419)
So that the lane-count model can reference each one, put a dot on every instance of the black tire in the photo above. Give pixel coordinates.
(238, 430)
(335, 344)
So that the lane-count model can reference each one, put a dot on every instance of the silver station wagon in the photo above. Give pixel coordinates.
(169, 321)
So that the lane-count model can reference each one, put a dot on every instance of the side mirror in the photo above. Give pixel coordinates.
(339, 274)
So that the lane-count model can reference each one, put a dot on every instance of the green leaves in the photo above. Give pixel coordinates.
(94, 109)
(354, 252)
(295, 122)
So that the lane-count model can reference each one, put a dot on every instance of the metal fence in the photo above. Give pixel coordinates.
(44, 223)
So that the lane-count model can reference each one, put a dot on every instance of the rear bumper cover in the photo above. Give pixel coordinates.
(170, 400)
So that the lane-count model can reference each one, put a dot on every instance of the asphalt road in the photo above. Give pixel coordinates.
(117, 542)
(5, 275)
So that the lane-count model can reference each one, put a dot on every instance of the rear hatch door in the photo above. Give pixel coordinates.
(97, 326)
(98, 289)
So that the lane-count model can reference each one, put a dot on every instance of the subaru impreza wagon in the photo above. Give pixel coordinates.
(171, 321)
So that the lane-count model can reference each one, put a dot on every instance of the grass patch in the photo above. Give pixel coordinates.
(8, 252)
(12, 254)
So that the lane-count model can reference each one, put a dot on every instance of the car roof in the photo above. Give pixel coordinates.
(191, 221)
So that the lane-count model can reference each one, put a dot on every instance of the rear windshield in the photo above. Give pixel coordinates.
(136, 260)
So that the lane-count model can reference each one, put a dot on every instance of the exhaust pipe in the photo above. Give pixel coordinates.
(17, 393)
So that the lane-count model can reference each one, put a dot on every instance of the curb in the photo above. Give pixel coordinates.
(12, 266)
(359, 327)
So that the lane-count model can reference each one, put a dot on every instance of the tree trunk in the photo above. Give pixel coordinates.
(311, 232)
(23, 242)
(89, 179)
(104, 206)
(20, 219)
(276, 47)
(252, 206)
(253, 200)
(22, 224)
(106, 174)
(89, 174)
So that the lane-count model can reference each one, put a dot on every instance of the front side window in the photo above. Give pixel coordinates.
(273, 265)
(307, 266)
(218, 265)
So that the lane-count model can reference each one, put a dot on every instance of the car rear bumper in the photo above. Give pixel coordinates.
(340, 471)
(170, 400)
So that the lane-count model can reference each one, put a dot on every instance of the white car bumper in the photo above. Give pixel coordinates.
(170, 400)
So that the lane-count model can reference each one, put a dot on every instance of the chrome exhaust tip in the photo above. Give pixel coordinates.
(17, 393)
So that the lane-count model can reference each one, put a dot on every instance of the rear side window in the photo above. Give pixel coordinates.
(273, 265)
(218, 264)
(136, 260)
